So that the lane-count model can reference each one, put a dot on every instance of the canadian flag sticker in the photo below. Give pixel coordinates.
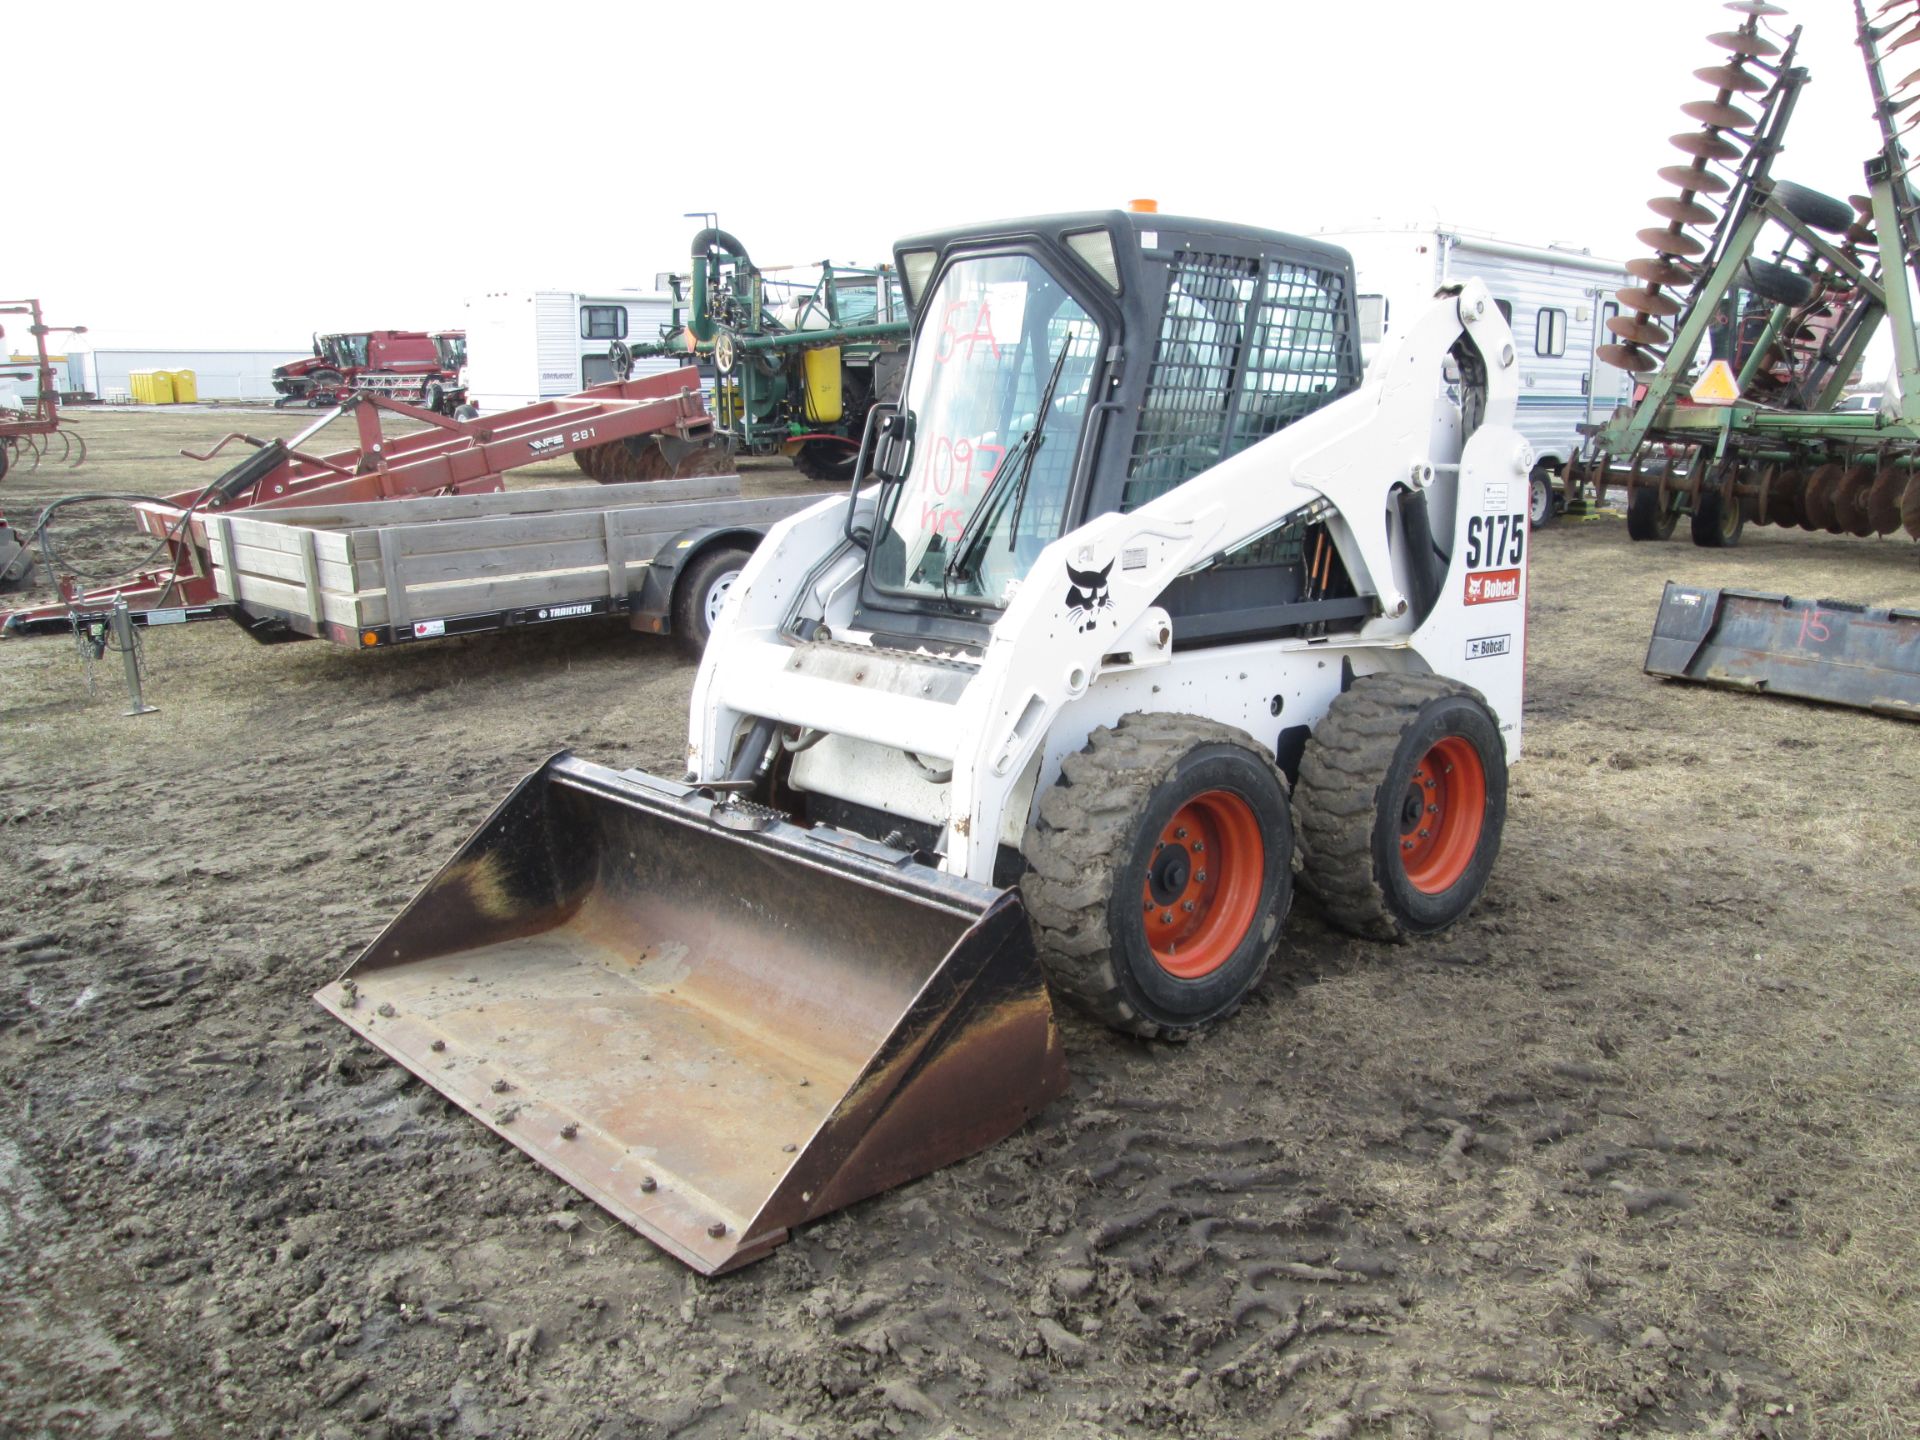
(1489, 586)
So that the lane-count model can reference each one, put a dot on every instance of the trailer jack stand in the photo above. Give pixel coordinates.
(123, 638)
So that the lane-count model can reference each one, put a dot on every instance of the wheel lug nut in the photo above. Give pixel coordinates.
(1166, 917)
(1433, 809)
(1423, 834)
(1199, 846)
(1181, 832)
(1201, 877)
(1187, 905)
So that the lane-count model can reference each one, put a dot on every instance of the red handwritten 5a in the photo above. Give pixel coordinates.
(953, 336)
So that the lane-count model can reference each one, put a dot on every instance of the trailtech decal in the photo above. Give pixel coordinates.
(1087, 594)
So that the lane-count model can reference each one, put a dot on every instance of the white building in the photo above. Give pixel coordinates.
(218, 374)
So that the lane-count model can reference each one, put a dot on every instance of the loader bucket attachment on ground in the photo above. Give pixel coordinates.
(1829, 650)
(715, 1023)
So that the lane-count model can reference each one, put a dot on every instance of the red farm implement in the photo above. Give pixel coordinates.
(35, 432)
(661, 416)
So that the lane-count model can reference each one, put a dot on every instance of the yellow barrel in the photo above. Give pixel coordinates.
(186, 386)
(825, 404)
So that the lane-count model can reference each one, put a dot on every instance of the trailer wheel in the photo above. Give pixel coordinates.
(1718, 515)
(1649, 515)
(1161, 873)
(1778, 283)
(701, 591)
(1540, 504)
(1400, 805)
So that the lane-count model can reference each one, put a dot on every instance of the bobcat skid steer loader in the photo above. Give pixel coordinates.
(1149, 605)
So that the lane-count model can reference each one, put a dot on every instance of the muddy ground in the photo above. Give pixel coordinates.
(1633, 1151)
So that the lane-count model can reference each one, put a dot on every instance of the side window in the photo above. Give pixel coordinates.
(1373, 319)
(603, 322)
(1505, 307)
(1550, 333)
(1246, 348)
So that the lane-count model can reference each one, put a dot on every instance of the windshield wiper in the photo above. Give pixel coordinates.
(973, 533)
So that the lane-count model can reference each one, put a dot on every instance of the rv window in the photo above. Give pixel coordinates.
(1608, 312)
(1373, 319)
(1550, 333)
(603, 322)
(1505, 307)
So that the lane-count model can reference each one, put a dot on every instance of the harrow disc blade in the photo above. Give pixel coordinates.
(1683, 212)
(1648, 302)
(1630, 358)
(1696, 178)
(1910, 506)
(1670, 242)
(1858, 234)
(1705, 145)
(1755, 7)
(1883, 500)
(1743, 42)
(1660, 270)
(1731, 78)
(1783, 497)
(1849, 499)
(1816, 501)
(1637, 331)
(1724, 117)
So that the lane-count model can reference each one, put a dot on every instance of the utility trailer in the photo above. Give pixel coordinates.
(660, 419)
(663, 553)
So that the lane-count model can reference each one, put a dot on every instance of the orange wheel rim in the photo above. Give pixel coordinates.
(1441, 813)
(1202, 889)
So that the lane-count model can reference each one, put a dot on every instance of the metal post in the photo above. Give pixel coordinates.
(123, 637)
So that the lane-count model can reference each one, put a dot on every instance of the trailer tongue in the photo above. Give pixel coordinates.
(715, 1023)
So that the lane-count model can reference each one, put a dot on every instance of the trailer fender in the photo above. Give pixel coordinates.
(652, 603)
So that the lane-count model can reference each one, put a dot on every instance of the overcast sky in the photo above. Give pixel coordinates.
(242, 175)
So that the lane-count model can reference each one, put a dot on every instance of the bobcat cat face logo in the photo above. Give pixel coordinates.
(1087, 594)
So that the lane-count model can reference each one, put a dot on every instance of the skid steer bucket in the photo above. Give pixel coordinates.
(715, 1023)
(1828, 650)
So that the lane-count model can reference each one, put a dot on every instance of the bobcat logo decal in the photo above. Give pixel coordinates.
(1087, 594)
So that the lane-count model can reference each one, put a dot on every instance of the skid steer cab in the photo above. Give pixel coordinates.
(1149, 604)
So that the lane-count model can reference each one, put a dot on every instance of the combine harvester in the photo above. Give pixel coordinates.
(1133, 619)
(409, 537)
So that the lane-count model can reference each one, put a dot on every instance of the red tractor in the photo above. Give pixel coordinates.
(400, 364)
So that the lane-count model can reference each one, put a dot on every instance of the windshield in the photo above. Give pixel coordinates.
(994, 330)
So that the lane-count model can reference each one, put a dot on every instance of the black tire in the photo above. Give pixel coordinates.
(1810, 207)
(1105, 843)
(6, 457)
(466, 412)
(826, 461)
(1777, 283)
(1647, 518)
(698, 593)
(432, 398)
(1717, 521)
(1354, 805)
(1541, 506)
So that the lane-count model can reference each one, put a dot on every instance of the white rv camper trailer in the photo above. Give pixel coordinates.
(528, 345)
(1556, 301)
